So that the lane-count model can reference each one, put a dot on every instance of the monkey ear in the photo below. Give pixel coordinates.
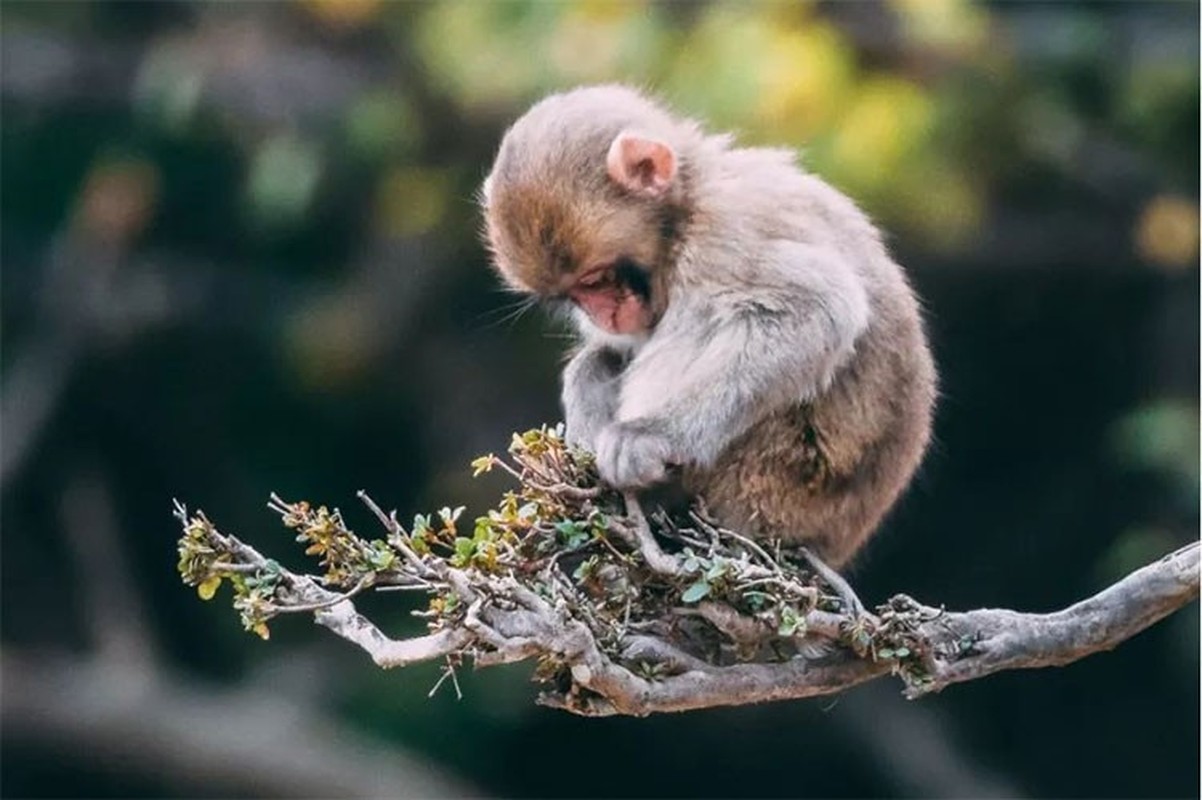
(641, 164)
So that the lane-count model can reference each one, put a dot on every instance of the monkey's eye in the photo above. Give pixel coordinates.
(597, 278)
(634, 277)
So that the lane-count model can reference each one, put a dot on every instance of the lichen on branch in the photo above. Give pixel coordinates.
(633, 613)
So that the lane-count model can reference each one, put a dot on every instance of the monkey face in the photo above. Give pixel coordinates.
(599, 251)
(576, 203)
(616, 297)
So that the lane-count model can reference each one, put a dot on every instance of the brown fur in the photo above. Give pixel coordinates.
(788, 373)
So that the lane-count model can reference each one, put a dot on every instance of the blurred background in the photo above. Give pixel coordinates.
(239, 255)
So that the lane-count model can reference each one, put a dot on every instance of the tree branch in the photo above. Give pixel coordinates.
(201, 739)
(673, 614)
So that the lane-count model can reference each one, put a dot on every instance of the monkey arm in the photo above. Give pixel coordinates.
(591, 383)
(725, 356)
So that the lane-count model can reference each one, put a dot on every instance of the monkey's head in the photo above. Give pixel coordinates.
(585, 201)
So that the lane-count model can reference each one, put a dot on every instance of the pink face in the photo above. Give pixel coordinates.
(611, 302)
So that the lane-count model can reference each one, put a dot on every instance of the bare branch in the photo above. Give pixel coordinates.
(639, 533)
(202, 739)
(343, 620)
(1010, 640)
(110, 603)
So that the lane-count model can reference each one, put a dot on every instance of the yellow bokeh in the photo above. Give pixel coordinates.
(587, 44)
(951, 25)
(412, 200)
(939, 204)
(888, 118)
(778, 79)
(607, 11)
(1166, 234)
(806, 73)
(343, 13)
(494, 61)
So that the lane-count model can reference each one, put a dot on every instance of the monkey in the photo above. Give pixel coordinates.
(743, 328)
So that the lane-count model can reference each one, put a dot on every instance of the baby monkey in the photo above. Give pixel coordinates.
(740, 319)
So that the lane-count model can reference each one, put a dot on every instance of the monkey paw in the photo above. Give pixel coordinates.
(629, 455)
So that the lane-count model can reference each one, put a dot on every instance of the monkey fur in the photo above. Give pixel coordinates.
(740, 319)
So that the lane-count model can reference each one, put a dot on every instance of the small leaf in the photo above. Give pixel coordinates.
(483, 464)
(262, 630)
(790, 622)
(586, 568)
(574, 535)
(208, 587)
(382, 556)
(450, 517)
(696, 592)
(757, 600)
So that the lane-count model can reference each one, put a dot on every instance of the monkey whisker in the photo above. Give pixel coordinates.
(506, 314)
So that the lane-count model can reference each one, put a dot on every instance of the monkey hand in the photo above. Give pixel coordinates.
(633, 454)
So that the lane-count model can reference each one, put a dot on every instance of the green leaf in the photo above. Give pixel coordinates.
(757, 600)
(483, 530)
(382, 556)
(573, 533)
(586, 568)
(449, 517)
(208, 587)
(718, 570)
(697, 591)
(464, 550)
(790, 622)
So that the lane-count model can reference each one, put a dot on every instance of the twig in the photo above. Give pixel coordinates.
(851, 602)
(363, 583)
(571, 492)
(396, 533)
(612, 637)
(643, 539)
(962, 645)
